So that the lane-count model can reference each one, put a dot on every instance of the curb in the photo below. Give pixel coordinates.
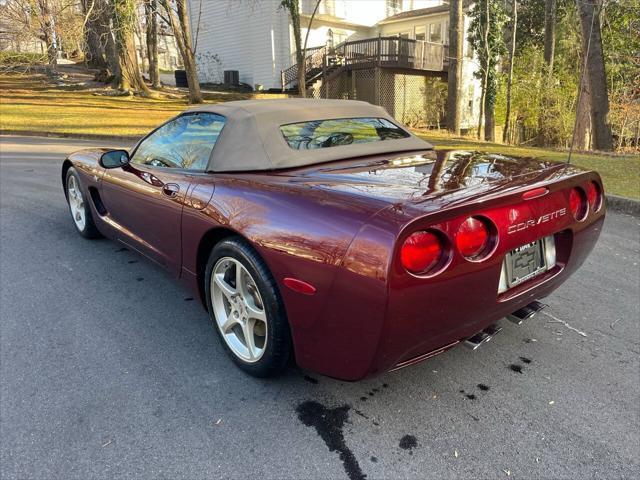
(623, 205)
(129, 139)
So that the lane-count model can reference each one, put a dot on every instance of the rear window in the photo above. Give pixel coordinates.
(341, 131)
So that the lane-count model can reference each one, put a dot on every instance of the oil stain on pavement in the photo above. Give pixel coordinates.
(408, 442)
(329, 423)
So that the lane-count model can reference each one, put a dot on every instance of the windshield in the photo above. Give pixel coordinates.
(341, 131)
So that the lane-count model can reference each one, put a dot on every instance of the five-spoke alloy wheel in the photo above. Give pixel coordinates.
(78, 206)
(245, 305)
(238, 309)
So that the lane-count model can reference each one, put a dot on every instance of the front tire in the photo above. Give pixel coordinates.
(79, 206)
(246, 308)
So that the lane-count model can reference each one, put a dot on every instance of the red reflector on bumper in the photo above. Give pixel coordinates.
(299, 286)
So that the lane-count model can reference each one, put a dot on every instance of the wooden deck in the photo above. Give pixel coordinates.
(383, 52)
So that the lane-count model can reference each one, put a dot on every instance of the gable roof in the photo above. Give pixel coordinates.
(251, 139)
(444, 8)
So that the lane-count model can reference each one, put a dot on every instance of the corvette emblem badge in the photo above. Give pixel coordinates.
(518, 227)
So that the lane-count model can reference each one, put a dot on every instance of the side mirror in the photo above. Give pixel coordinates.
(114, 158)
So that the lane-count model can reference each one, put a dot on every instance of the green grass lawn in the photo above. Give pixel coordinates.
(29, 103)
(620, 173)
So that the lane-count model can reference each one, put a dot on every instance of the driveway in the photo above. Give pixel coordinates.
(109, 369)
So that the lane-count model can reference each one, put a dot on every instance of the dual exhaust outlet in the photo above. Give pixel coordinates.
(517, 317)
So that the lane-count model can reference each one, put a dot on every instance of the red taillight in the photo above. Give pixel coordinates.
(473, 238)
(594, 196)
(421, 251)
(578, 203)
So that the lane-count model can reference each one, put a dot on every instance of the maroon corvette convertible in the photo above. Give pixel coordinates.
(326, 231)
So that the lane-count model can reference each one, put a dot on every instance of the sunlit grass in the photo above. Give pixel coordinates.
(28, 103)
(620, 173)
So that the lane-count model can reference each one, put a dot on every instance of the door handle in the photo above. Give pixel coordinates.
(170, 189)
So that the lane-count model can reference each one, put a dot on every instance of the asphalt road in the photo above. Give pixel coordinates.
(110, 370)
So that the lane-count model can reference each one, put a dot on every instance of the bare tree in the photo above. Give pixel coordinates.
(31, 19)
(589, 12)
(94, 53)
(129, 77)
(181, 26)
(151, 20)
(48, 32)
(485, 72)
(293, 7)
(550, 9)
(456, 44)
(512, 53)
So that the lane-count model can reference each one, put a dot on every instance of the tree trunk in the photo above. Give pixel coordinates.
(456, 44)
(592, 45)
(129, 77)
(294, 12)
(181, 27)
(48, 34)
(549, 33)
(489, 120)
(582, 134)
(103, 25)
(485, 71)
(93, 48)
(512, 53)
(151, 17)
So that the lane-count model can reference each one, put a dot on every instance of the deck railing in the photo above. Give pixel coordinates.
(389, 52)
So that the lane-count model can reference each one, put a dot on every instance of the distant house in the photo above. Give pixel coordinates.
(392, 53)
(14, 39)
(168, 55)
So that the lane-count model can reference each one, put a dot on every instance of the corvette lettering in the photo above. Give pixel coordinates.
(518, 227)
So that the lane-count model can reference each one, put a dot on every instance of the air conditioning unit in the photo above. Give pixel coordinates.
(232, 77)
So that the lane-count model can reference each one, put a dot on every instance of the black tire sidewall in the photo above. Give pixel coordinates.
(90, 230)
(278, 350)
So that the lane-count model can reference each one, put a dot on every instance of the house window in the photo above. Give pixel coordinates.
(435, 32)
(421, 33)
(393, 7)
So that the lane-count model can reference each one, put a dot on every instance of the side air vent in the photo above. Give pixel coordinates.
(97, 201)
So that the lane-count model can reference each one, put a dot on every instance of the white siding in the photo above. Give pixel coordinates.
(251, 37)
(471, 86)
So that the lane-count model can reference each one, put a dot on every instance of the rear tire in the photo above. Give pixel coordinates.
(244, 303)
(79, 206)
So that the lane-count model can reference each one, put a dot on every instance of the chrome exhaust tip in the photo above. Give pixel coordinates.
(525, 313)
(482, 337)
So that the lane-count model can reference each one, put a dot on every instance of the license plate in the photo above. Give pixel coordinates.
(525, 262)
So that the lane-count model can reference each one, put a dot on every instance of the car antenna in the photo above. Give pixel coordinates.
(582, 76)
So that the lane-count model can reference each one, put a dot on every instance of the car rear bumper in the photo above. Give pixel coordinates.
(420, 325)
(406, 326)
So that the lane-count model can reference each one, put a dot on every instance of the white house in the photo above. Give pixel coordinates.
(387, 52)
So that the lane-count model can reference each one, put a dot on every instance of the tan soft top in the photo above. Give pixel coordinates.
(251, 138)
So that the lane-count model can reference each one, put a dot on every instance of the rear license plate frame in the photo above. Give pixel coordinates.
(525, 262)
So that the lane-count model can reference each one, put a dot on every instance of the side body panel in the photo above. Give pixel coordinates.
(144, 205)
(300, 232)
